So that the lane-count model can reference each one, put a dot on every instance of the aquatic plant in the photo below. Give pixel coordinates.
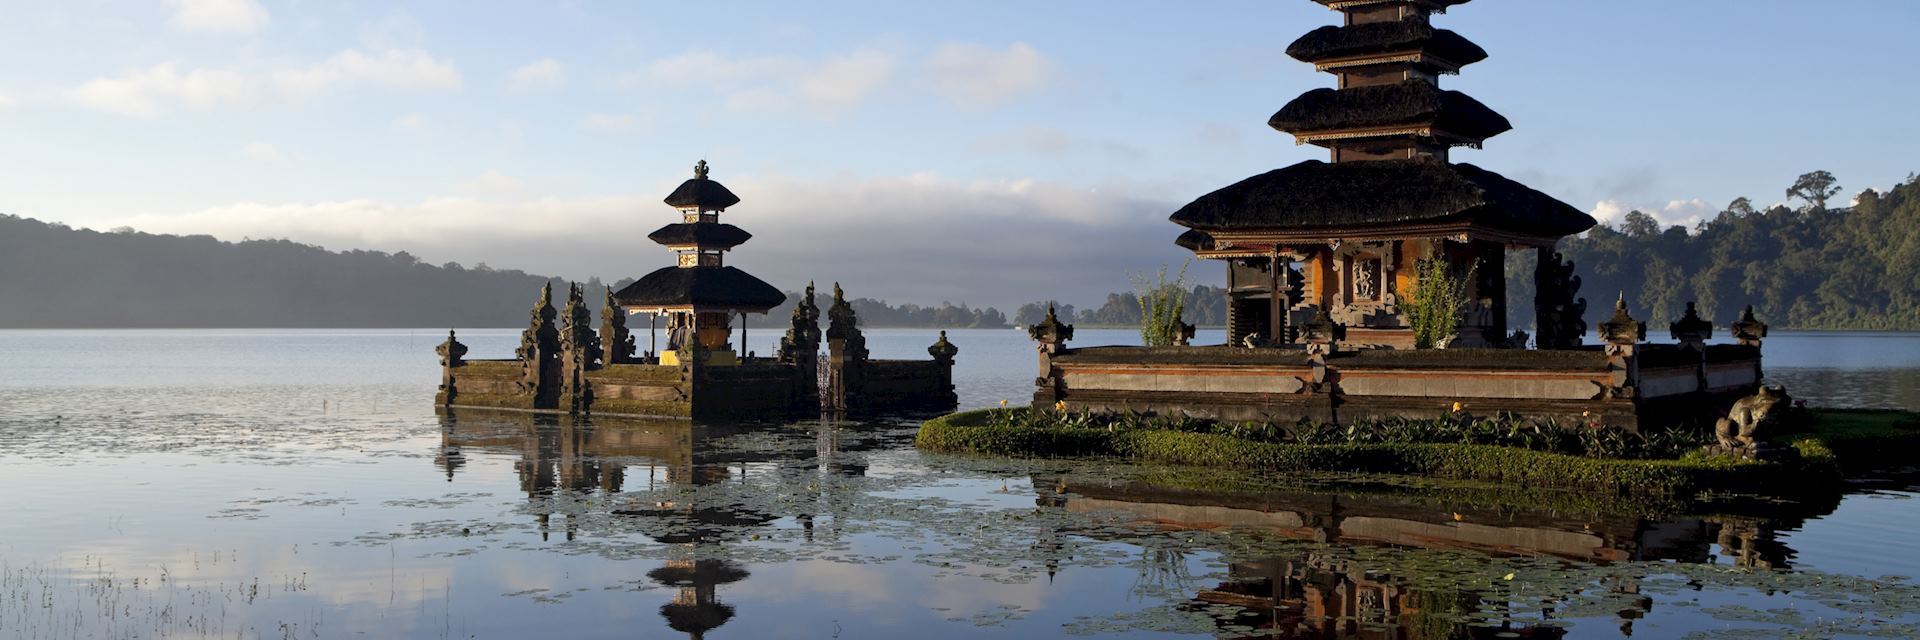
(1439, 294)
(1162, 303)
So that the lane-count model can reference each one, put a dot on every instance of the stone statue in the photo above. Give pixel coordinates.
(1752, 420)
(1184, 337)
(1363, 280)
(802, 342)
(615, 340)
(1558, 312)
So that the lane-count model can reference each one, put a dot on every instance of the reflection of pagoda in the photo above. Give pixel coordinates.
(696, 610)
(1349, 232)
(700, 294)
(568, 459)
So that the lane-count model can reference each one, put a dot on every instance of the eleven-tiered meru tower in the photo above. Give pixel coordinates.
(1342, 238)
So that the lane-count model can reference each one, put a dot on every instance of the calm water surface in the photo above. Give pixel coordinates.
(298, 485)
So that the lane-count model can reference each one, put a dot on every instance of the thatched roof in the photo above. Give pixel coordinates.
(707, 287)
(1414, 102)
(1331, 42)
(706, 234)
(706, 194)
(1315, 194)
(703, 572)
(1195, 240)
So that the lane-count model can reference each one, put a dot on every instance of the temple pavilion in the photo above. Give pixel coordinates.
(1342, 236)
(700, 294)
(1326, 261)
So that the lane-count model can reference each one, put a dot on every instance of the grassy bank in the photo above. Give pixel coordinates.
(1865, 436)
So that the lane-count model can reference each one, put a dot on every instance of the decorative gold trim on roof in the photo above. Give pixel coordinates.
(1413, 57)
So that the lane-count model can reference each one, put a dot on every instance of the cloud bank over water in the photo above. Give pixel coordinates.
(914, 238)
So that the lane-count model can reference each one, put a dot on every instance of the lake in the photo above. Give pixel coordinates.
(298, 484)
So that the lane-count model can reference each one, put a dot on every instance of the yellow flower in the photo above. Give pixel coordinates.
(1060, 406)
(1509, 577)
(1003, 403)
(1583, 414)
(1458, 406)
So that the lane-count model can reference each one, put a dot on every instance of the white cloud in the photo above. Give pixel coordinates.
(615, 123)
(263, 152)
(218, 16)
(539, 75)
(954, 246)
(6, 100)
(773, 83)
(1685, 213)
(165, 87)
(406, 69)
(977, 75)
(146, 94)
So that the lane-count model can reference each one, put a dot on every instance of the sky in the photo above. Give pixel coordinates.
(984, 151)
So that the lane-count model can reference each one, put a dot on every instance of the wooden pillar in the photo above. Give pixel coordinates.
(1277, 299)
(653, 337)
(743, 336)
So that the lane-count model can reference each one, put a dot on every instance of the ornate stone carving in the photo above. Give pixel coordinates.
(539, 350)
(1623, 336)
(577, 339)
(1050, 333)
(843, 325)
(943, 351)
(1558, 313)
(451, 351)
(1749, 330)
(802, 342)
(1691, 330)
(616, 342)
(1754, 419)
(1622, 328)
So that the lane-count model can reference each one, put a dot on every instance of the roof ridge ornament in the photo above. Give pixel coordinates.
(700, 169)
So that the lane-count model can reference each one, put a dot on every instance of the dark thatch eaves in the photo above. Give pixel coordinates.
(706, 234)
(717, 288)
(696, 618)
(1411, 103)
(702, 193)
(1195, 240)
(1318, 195)
(1405, 36)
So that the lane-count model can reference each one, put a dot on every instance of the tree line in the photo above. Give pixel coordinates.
(1801, 265)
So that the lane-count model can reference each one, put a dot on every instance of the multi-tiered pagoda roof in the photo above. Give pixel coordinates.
(1390, 129)
(700, 282)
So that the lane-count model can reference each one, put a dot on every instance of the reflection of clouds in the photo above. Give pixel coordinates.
(881, 588)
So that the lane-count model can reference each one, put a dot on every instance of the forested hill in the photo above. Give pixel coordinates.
(53, 276)
(1804, 267)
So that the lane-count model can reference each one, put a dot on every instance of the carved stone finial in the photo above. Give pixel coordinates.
(451, 351)
(1691, 330)
(1622, 328)
(943, 351)
(1051, 333)
(1749, 330)
(700, 170)
(615, 340)
(843, 324)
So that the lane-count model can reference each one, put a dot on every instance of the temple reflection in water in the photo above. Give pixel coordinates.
(1325, 592)
(564, 463)
(643, 476)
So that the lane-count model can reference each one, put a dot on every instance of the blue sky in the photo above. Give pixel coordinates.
(993, 152)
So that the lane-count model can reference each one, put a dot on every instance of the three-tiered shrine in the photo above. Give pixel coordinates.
(700, 294)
